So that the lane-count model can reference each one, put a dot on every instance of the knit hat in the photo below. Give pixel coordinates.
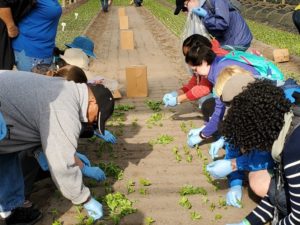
(235, 86)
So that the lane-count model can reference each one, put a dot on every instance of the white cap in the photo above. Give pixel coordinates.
(76, 57)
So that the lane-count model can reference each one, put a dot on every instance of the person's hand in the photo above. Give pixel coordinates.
(215, 147)
(94, 209)
(174, 93)
(83, 159)
(193, 137)
(108, 137)
(170, 100)
(42, 160)
(12, 31)
(199, 11)
(234, 196)
(220, 168)
(93, 172)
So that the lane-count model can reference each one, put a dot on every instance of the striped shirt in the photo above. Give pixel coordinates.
(291, 164)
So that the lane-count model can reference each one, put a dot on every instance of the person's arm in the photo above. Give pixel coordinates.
(59, 131)
(192, 82)
(6, 16)
(199, 90)
(212, 126)
(221, 19)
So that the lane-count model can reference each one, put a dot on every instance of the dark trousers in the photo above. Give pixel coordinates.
(296, 19)
(208, 108)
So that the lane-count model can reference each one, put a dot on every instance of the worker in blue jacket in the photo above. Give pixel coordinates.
(222, 20)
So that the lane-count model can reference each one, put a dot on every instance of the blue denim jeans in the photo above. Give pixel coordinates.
(104, 4)
(11, 182)
(26, 63)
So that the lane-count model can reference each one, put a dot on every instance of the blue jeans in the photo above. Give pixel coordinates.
(26, 63)
(11, 182)
(104, 4)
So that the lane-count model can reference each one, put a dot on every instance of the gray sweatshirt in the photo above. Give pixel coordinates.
(46, 113)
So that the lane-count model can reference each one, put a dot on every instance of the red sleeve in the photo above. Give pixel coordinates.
(202, 89)
(192, 82)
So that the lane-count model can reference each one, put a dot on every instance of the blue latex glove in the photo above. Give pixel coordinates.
(83, 159)
(199, 11)
(3, 128)
(93, 172)
(108, 137)
(220, 168)
(174, 93)
(193, 137)
(170, 100)
(234, 196)
(42, 160)
(94, 209)
(215, 147)
(289, 92)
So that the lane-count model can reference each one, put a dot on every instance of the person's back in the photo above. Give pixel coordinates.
(28, 102)
(226, 24)
(296, 17)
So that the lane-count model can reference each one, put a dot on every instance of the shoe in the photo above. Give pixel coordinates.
(24, 216)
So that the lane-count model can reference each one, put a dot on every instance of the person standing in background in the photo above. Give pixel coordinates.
(296, 17)
(37, 32)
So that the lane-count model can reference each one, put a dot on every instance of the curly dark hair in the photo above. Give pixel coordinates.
(256, 116)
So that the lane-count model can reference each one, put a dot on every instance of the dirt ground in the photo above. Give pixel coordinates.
(158, 49)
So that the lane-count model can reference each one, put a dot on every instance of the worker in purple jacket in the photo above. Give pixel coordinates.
(222, 20)
(204, 62)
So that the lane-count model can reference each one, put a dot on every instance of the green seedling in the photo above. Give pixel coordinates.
(112, 170)
(212, 206)
(205, 200)
(163, 139)
(149, 220)
(184, 202)
(240, 203)
(119, 206)
(222, 203)
(186, 150)
(54, 212)
(134, 122)
(184, 128)
(154, 120)
(130, 187)
(80, 217)
(92, 139)
(191, 190)
(199, 152)
(143, 191)
(57, 222)
(218, 216)
(154, 105)
(195, 216)
(189, 158)
(175, 150)
(124, 107)
(145, 182)
(192, 125)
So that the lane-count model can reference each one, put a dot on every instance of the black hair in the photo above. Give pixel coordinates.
(194, 40)
(256, 116)
(198, 53)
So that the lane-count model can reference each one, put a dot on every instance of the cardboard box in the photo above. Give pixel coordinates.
(136, 81)
(123, 21)
(126, 39)
(116, 94)
(281, 55)
(121, 12)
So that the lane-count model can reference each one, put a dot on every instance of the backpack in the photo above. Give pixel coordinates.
(266, 68)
